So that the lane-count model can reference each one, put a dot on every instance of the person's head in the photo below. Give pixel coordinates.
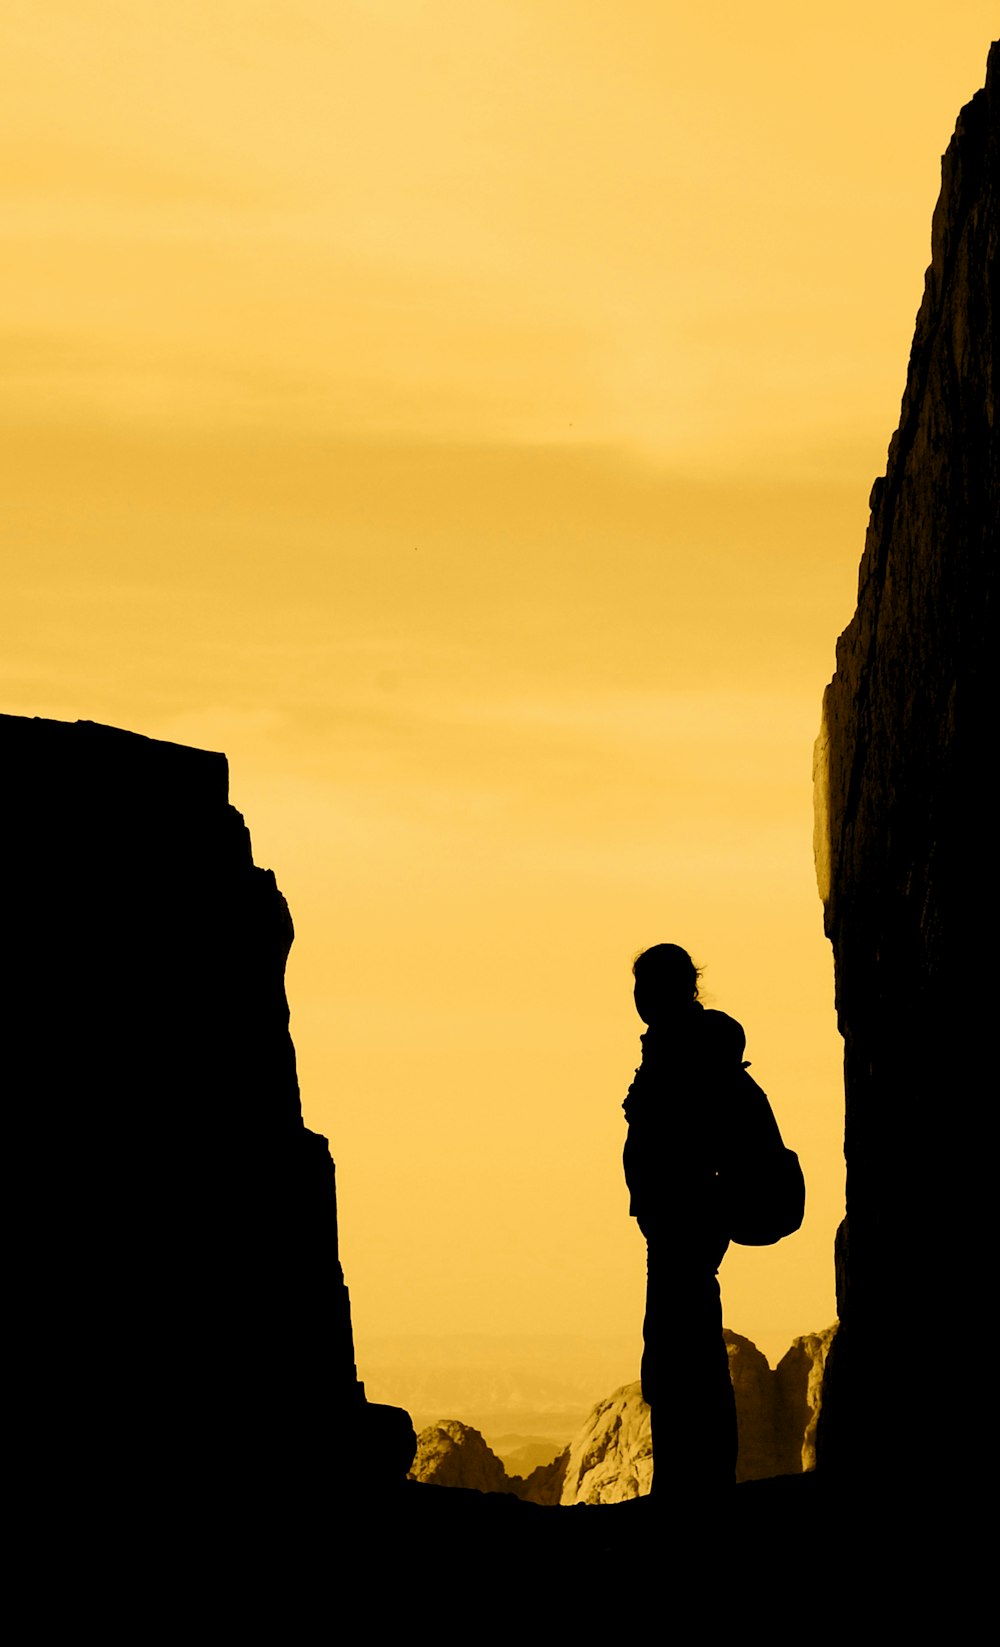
(666, 981)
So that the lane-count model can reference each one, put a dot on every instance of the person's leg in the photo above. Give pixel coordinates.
(656, 1351)
(710, 1399)
(686, 1382)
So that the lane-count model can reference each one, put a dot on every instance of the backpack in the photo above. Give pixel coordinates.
(762, 1188)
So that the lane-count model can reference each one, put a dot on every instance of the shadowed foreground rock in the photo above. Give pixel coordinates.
(798, 1396)
(181, 1321)
(905, 857)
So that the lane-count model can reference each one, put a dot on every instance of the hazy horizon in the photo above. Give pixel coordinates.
(528, 1384)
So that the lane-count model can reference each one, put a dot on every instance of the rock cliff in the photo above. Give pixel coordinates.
(181, 1318)
(904, 845)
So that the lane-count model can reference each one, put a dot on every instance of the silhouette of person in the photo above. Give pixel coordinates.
(678, 1135)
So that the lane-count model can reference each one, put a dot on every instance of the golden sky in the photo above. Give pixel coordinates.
(463, 415)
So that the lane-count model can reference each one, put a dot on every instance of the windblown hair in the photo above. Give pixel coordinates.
(667, 967)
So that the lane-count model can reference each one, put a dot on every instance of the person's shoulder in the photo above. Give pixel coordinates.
(723, 1034)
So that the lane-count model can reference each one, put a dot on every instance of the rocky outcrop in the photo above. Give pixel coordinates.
(452, 1454)
(546, 1482)
(904, 851)
(182, 1323)
(798, 1395)
(753, 1386)
(611, 1458)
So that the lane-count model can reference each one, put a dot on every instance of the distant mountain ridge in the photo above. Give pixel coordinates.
(537, 1385)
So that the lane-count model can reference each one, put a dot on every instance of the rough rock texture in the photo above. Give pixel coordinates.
(546, 1482)
(181, 1319)
(753, 1386)
(904, 852)
(612, 1457)
(798, 1395)
(452, 1454)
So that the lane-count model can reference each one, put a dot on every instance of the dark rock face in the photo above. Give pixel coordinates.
(798, 1395)
(904, 851)
(753, 1387)
(182, 1316)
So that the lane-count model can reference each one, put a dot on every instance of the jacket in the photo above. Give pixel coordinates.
(680, 1118)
